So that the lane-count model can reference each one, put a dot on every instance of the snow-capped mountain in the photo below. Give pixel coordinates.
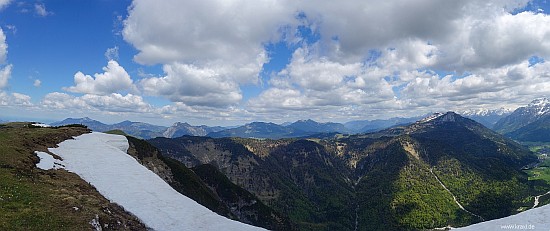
(486, 112)
(539, 106)
(487, 117)
(523, 116)
(430, 117)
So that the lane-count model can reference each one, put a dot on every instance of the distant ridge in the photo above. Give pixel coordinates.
(529, 123)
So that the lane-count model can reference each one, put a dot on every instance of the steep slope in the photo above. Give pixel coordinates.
(159, 206)
(481, 158)
(537, 131)
(523, 116)
(295, 177)
(36, 199)
(207, 186)
(246, 207)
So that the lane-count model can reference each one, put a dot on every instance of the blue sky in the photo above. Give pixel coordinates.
(221, 62)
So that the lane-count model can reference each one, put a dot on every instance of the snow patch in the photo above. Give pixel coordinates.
(431, 117)
(533, 219)
(486, 112)
(101, 160)
(47, 161)
(41, 125)
(541, 106)
(95, 223)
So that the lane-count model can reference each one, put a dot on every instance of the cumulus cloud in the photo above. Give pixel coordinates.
(461, 33)
(216, 44)
(310, 81)
(483, 41)
(37, 83)
(40, 10)
(3, 47)
(4, 3)
(112, 80)
(193, 85)
(499, 87)
(5, 70)
(14, 99)
(112, 53)
(113, 102)
(5, 74)
(202, 31)
(369, 57)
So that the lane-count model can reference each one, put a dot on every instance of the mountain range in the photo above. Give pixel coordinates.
(362, 126)
(300, 128)
(140, 129)
(403, 178)
(529, 123)
(487, 117)
(181, 129)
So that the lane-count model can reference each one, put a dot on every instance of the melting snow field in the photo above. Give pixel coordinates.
(533, 219)
(101, 160)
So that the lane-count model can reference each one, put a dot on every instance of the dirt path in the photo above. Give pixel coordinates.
(537, 199)
(454, 198)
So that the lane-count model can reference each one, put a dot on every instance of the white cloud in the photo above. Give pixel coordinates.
(204, 31)
(111, 103)
(5, 74)
(114, 79)
(112, 53)
(412, 39)
(40, 10)
(313, 81)
(3, 47)
(194, 85)
(14, 99)
(4, 3)
(210, 49)
(37, 83)
(456, 30)
(216, 45)
(511, 85)
(5, 70)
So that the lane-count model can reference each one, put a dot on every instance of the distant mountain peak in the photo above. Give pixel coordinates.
(439, 119)
(176, 124)
(431, 117)
(539, 101)
(541, 106)
(486, 112)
